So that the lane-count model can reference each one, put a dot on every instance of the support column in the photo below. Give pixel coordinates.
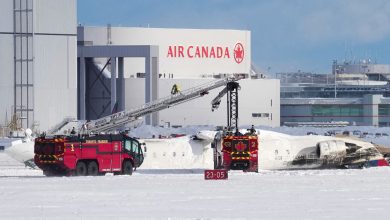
(82, 89)
(113, 83)
(151, 83)
(121, 85)
(371, 109)
(148, 87)
(155, 78)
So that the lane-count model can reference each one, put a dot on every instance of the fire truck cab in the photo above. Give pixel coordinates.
(88, 155)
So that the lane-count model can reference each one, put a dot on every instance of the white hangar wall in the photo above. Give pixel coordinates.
(260, 97)
(6, 61)
(46, 74)
(182, 52)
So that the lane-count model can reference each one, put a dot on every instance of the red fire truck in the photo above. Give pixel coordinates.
(87, 155)
(238, 151)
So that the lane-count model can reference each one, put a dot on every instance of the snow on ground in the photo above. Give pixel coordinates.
(184, 194)
(10, 167)
(303, 194)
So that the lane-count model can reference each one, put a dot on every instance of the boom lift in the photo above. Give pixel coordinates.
(239, 151)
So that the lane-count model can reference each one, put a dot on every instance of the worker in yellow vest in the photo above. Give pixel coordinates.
(175, 89)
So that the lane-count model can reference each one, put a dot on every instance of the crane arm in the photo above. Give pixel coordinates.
(231, 90)
(119, 119)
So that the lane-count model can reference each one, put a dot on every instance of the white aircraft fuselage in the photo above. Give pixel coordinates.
(276, 151)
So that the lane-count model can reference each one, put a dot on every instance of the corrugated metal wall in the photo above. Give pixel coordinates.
(6, 61)
(52, 74)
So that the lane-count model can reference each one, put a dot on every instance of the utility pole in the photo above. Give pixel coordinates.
(335, 83)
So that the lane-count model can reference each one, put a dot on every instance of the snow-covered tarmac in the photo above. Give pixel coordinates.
(184, 194)
(166, 194)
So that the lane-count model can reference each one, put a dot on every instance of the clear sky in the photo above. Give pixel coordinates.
(287, 35)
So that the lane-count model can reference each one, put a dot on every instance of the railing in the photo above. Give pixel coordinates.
(60, 125)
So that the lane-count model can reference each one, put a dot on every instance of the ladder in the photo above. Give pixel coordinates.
(119, 119)
(23, 43)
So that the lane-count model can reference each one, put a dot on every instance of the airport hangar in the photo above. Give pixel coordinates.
(42, 49)
(187, 57)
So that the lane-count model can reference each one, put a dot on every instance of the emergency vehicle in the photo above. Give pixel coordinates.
(88, 155)
(232, 149)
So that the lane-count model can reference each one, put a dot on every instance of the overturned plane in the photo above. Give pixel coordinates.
(277, 151)
(281, 151)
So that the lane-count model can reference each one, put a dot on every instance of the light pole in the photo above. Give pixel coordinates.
(335, 83)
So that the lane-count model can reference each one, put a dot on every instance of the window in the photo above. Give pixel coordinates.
(132, 146)
(128, 145)
(384, 110)
(337, 110)
(260, 115)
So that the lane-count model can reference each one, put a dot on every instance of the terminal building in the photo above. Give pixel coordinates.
(356, 92)
(53, 69)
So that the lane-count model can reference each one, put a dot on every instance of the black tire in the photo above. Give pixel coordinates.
(81, 168)
(127, 168)
(48, 173)
(93, 168)
(53, 172)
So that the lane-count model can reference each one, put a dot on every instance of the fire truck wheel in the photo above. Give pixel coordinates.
(93, 168)
(127, 168)
(81, 169)
(48, 173)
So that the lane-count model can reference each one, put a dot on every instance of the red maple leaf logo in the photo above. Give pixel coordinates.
(239, 53)
(240, 146)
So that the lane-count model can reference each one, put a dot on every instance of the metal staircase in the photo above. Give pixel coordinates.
(118, 120)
